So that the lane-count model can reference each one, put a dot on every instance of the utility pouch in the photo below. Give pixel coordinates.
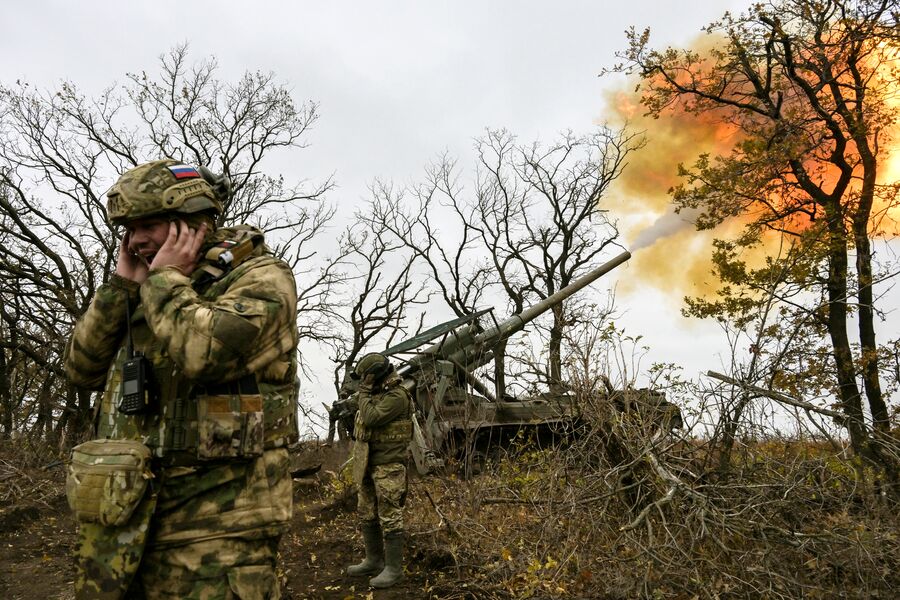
(360, 461)
(396, 431)
(107, 479)
(230, 426)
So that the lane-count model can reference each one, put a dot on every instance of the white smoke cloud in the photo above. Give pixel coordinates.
(668, 224)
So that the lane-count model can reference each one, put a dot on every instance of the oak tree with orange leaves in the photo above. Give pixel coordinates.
(810, 87)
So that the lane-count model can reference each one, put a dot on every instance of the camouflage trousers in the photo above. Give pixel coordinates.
(221, 569)
(165, 550)
(382, 496)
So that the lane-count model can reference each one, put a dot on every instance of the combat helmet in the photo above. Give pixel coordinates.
(373, 364)
(158, 187)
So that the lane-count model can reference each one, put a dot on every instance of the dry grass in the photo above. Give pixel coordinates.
(619, 512)
(624, 512)
(31, 477)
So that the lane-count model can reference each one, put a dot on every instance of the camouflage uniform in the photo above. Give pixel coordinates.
(383, 430)
(222, 345)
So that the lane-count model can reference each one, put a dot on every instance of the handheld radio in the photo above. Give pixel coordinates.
(136, 376)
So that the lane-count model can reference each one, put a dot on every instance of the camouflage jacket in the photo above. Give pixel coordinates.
(223, 356)
(384, 421)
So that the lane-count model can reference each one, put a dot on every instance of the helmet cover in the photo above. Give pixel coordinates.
(373, 364)
(159, 187)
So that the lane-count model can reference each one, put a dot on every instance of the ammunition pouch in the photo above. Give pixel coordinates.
(107, 480)
(236, 419)
(395, 431)
(230, 426)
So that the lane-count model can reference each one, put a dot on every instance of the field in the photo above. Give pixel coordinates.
(793, 520)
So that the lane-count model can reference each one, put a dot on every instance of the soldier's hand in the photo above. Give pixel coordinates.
(366, 383)
(181, 249)
(130, 265)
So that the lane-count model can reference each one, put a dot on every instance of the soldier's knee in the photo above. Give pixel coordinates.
(257, 582)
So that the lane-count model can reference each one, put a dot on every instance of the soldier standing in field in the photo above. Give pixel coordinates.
(185, 491)
(382, 432)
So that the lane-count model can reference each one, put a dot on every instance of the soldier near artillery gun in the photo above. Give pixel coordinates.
(382, 432)
(342, 413)
(185, 490)
(459, 418)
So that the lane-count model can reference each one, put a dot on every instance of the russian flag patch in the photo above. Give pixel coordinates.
(183, 171)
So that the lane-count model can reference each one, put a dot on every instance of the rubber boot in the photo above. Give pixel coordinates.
(374, 560)
(393, 562)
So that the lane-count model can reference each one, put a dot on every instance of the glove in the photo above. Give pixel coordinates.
(367, 384)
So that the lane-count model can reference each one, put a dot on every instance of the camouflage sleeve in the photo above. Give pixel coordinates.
(242, 331)
(98, 333)
(377, 410)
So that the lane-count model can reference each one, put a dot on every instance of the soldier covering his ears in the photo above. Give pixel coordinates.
(382, 432)
(185, 490)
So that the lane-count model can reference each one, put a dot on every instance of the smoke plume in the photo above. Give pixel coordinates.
(669, 253)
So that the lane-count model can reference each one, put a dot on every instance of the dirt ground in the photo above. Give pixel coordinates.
(37, 537)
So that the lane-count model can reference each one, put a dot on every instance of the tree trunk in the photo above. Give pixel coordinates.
(500, 371)
(74, 425)
(848, 391)
(869, 346)
(556, 336)
(730, 420)
(6, 407)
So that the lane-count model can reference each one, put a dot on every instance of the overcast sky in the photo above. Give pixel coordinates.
(397, 83)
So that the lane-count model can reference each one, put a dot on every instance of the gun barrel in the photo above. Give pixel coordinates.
(465, 343)
(517, 322)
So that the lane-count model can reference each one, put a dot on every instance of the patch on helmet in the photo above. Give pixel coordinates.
(183, 171)
(116, 205)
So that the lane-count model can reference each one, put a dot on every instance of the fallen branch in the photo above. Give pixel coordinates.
(779, 397)
(675, 484)
(443, 518)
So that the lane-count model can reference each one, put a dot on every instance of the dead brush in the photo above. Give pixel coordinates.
(626, 510)
(31, 479)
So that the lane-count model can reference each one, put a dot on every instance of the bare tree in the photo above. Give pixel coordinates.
(539, 216)
(531, 223)
(439, 231)
(383, 290)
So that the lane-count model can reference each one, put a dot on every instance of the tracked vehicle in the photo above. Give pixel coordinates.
(460, 416)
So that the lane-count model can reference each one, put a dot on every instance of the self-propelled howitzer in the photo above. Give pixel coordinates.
(451, 419)
(458, 414)
(470, 346)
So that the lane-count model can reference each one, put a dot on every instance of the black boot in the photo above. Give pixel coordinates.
(374, 560)
(393, 562)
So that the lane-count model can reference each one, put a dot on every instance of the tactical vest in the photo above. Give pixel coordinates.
(397, 431)
(190, 422)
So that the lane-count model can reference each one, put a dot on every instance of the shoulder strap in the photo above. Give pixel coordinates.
(227, 255)
(213, 287)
